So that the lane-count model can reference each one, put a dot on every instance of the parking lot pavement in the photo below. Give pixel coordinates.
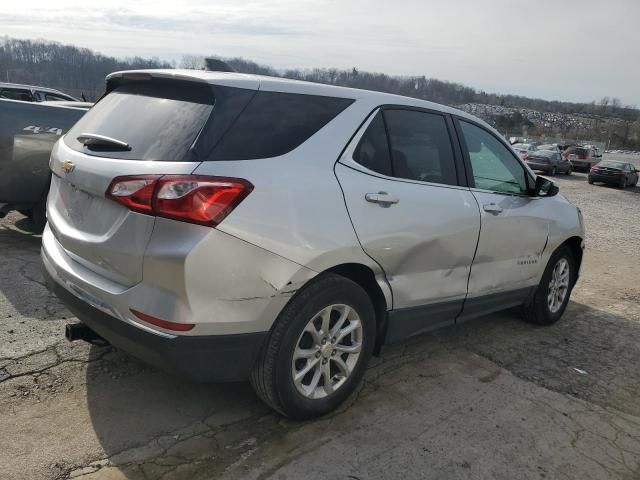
(493, 398)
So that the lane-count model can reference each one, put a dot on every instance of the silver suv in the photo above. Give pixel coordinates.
(226, 226)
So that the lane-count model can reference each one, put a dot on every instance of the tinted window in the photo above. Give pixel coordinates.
(159, 121)
(494, 166)
(420, 146)
(16, 94)
(275, 123)
(373, 150)
(52, 97)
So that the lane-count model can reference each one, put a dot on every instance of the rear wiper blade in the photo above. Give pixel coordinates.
(95, 140)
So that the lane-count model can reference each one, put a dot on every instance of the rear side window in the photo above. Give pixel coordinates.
(158, 119)
(16, 94)
(373, 150)
(275, 123)
(420, 146)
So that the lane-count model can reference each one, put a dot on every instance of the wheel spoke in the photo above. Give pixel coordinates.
(346, 310)
(311, 329)
(325, 315)
(348, 348)
(314, 382)
(353, 325)
(307, 368)
(304, 352)
(326, 374)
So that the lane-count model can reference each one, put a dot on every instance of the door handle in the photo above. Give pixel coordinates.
(492, 208)
(382, 198)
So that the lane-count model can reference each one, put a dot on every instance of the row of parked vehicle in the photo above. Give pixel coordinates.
(287, 234)
(555, 158)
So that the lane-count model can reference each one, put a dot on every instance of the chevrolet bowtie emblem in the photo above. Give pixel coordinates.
(68, 166)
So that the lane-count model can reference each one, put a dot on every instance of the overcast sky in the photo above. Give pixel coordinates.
(579, 50)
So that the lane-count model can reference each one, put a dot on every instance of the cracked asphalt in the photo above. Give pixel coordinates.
(493, 398)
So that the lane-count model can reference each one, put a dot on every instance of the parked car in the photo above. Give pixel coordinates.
(30, 93)
(582, 158)
(550, 162)
(621, 174)
(288, 233)
(524, 149)
(28, 132)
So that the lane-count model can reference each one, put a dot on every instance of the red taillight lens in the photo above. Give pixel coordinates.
(134, 192)
(203, 200)
(189, 198)
(167, 325)
(526, 156)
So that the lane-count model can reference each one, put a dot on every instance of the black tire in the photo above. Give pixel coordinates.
(590, 180)
(569, 171)
(623, 184)
(39, 214)
(272, 375)
(553, 172)
(537, 311)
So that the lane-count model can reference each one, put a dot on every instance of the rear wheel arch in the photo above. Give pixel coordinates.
(366, 278)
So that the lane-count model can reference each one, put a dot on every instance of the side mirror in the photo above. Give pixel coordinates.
(545, 188)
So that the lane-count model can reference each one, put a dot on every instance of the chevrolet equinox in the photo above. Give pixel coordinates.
(229, 227)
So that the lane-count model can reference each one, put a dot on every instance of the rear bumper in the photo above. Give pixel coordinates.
(200, 358)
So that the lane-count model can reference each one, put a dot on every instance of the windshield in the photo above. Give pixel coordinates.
(522, 146)
(546, 147)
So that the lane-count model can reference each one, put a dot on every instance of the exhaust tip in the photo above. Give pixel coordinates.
(79, 331)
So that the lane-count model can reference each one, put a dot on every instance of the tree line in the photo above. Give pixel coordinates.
(81, 71)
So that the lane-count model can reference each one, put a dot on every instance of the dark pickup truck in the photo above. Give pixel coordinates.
(28, 132)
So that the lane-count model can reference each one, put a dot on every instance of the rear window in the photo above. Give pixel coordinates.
(159, 120)
(275, 123)
(576, 151)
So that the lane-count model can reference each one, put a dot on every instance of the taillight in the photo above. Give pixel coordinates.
(526, 156)
(189, 198)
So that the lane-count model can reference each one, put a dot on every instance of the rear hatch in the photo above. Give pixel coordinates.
(143, 126)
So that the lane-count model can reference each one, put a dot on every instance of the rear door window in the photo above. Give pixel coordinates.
(420, 146)
(275, 123)
(373, 150)
(159, 120)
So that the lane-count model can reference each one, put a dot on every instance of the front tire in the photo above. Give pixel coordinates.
(553, 172)
(318, 350)
(553, 292)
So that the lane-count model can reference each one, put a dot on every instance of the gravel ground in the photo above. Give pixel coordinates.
(493, 398)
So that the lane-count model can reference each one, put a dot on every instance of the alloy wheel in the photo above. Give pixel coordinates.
(327, 351)
(559, 285)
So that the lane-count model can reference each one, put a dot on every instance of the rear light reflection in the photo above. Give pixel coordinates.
(189, 198)
(167, 325)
